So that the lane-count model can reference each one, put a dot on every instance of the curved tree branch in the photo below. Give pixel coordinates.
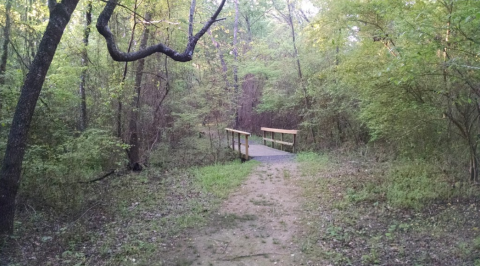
(117, 55)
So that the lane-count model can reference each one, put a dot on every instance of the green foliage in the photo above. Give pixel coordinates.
(94, 149)
(414, 184)
(370, 192)
(189, 152)
(52, 174)
(402, 70)
(222, 179)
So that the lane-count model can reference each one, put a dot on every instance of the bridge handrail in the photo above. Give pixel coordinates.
(278, 130)
(281, 141)
(239, 132)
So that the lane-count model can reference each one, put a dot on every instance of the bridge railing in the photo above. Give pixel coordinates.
(280, 141)
(239, 133)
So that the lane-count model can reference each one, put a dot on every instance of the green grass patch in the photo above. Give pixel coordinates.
(413, 184)
(220, 179)
(304, 157)
(312, 163)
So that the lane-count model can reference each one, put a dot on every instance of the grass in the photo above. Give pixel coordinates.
(312, 163)
(220, 179)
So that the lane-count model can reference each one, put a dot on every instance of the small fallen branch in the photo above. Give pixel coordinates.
(251, 256)
(98, 178)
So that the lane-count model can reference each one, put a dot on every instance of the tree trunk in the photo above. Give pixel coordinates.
(249, 29)
(4, 57)
(299, 67)
(124, 77)
(134, 150)
(235, 66)
(295, 51)
(86, 34)
(10, 173)
(222, 60)
(473, 164)
(6, 40)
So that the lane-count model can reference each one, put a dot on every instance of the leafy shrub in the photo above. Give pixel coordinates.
(52, 175)
(413, 184)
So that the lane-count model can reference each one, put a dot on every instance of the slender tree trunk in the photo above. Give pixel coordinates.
(134, 150)
(235, 66)
(156, 114)
(295, 51)
(249, 29)
(10, 173)
(124, 77)
(473, 163)
(299, 67)
(447, 42)
(4, 57)
(6, 40)
(222, 60)
(119, 117)
(86, 34)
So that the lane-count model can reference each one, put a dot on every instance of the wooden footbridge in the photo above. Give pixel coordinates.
(238, 140)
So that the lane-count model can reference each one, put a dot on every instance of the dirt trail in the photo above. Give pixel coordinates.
(257, 225)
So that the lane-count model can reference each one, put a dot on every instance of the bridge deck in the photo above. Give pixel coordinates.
(255, 150)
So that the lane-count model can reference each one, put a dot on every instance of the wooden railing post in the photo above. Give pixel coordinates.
(239, 144)
(281, 144)
(246, 147)
(233, 140)
(294, 142)
(264, 141)
(273, 142)
(228, 140)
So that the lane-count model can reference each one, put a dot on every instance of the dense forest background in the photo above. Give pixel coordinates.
(396, 80)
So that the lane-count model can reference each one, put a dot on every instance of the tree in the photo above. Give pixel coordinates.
(83, 100)
(235, 66)
(6, 40)
(134, 149)
(60, 14)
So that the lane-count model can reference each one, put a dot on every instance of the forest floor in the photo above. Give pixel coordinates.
(319, 213)
(312, 210)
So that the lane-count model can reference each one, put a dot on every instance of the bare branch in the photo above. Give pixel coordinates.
(117, 55)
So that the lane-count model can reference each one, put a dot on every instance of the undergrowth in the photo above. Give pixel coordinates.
(415, 184)
(362, 212)
(133, 219)
(53, 175)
